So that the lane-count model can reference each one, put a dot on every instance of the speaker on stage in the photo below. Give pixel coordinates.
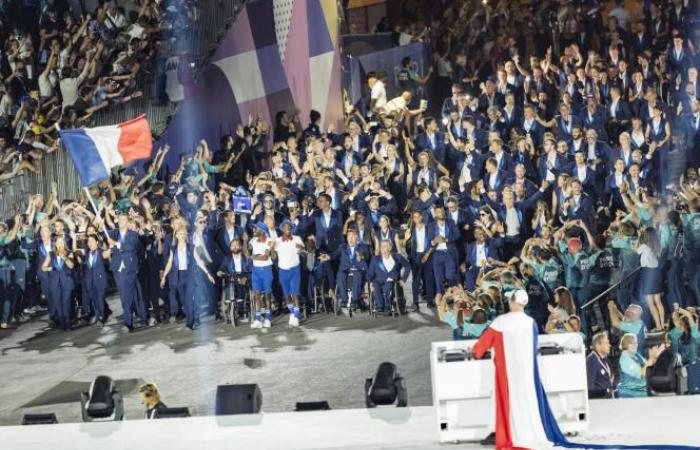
(238, 399)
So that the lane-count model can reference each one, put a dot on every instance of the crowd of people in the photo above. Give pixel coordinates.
(61, 63)
(547, 172)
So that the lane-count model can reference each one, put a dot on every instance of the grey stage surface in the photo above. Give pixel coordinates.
(328, 358)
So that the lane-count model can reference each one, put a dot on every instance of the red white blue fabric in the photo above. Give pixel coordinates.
(95, 151)
(524, 419)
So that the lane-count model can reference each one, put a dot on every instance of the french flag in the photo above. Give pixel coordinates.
(524, 419)
(95, 151)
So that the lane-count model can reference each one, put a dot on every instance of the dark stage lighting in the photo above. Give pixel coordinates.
(387, 387)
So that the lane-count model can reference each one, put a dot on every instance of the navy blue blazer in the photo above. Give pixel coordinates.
(359, 261)
(223, 239)
(596, 121)
(378, 272)
(437, 147)
(227, 265)
(95, 274)
(328, 236)
(492, 249)
(128, 254)
(59, 277)
(452, 236)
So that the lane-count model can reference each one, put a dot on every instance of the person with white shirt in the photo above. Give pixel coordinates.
(261, 278)
(386, 271)
(287, 249)
(234, 270)
(378, 92)
(416, 237)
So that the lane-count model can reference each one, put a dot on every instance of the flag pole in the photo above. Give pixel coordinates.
(94, 208)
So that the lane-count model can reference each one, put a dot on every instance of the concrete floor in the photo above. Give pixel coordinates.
(328, 358)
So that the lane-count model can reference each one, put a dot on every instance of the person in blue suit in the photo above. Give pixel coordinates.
(206, 248)
(328, 226)
(177, 273)
(443, 236)
(124, 264)
(236, 266)
(477, 253)
(230, 231)
(94, 281)
(659, 133)
(691, 123)
(385, 271)
(59, 265)
(416, 238)
(353, 258)
(432, 140)
(578, 206)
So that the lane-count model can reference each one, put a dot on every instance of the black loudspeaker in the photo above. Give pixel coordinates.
(238, 399)
(39, 419)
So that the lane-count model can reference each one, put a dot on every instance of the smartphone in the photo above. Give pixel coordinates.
(424, 104)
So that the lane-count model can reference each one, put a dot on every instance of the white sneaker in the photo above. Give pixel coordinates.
(256, 324)
(295, 321)
(266, 323)
(3, 325)
(291, 320)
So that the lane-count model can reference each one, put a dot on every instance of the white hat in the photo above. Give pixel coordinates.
(519, 296)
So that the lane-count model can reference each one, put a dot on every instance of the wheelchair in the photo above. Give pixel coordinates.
(235, 299)
(395, 310)
(347, 296)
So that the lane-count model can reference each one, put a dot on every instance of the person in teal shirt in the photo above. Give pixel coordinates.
(633, 367)
(449, 313)
(547, 266)
(631, 322)
(474, 326)
(625, 241)
(575, 259)
(691, 249)
(684, 336)
(670, 236)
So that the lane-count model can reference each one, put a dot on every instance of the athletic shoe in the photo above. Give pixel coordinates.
(30, 310)
(93, 320)
(295, 323)
(152, 322)
(172, 319)
(291, 320)
(256, 324)
(3, 325)
(266, 323)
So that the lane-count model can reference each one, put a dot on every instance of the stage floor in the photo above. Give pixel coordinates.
(648, 421)
(328, 358)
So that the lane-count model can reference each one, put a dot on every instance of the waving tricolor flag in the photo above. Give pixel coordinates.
(95, 151)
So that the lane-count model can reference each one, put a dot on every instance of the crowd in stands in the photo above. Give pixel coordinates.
(546, 171)
(60, 63)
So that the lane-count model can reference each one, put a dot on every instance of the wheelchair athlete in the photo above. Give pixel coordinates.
(235, 270)
(352, 268)
(385, 270)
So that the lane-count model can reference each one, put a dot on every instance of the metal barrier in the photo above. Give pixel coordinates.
(212, 19)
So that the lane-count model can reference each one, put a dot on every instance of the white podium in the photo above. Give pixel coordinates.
(463, 387)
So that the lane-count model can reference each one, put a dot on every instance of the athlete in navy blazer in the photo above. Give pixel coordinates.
(124, 264)
(328, 226)
(94, 281)
(383, 278)
(492, 249)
